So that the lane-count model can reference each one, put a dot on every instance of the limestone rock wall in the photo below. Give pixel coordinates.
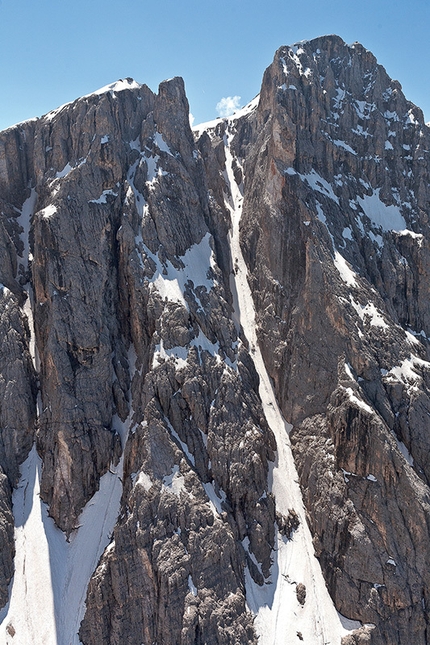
(122, 344)
(335, 234)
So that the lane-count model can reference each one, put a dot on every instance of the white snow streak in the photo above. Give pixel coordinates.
(279, 616)
(346, 273)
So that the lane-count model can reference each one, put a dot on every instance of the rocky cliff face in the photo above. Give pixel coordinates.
(156, 284)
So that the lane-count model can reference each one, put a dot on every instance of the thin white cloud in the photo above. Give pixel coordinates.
(191, 118)
(228, 105)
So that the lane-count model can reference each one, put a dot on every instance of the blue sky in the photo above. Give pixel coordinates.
(52, 51)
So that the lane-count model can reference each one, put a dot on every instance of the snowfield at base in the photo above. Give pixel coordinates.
(278, 614)
(48, 591)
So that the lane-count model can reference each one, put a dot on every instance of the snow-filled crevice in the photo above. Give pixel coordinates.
(24, 221)
(278, 614)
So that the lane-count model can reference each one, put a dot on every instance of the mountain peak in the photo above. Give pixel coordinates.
(215, 368)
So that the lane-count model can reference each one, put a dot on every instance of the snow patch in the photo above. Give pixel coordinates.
(416, 236)
(144, 480)
(49, 211)
(161, 144)
(344, 145)
(316, 182)
(407, 372)
(68, 168)
(103, 197)
(370, 313)
(215, 500)
(354, 399)
(363, 109)
(362, 132)
(348, 371)
(346, 273)
(386, 217)
(405, 452)
(411, 119)
(178, 354)
(175, 482)
(191, 586)
(170, 282)
(181, 443)
(349, 624)
(63, 173)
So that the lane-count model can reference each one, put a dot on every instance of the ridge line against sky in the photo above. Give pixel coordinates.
(54, 52)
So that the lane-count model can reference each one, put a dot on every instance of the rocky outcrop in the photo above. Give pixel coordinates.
(134, 332)
(119, 311)
(334, 231)
(197, 428)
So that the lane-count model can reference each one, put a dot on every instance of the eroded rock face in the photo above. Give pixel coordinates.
(335, 233)
(134, 331)
(197, 427)
(119, 309)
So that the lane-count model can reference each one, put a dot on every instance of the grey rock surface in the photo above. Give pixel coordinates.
(335, 234)
(118, 312)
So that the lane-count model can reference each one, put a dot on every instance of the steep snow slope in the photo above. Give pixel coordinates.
(49, 587)
(279, 615)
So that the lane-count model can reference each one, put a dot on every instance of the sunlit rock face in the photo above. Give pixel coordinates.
(156, 283)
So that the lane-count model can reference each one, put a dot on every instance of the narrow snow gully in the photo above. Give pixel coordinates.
(279, 618)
